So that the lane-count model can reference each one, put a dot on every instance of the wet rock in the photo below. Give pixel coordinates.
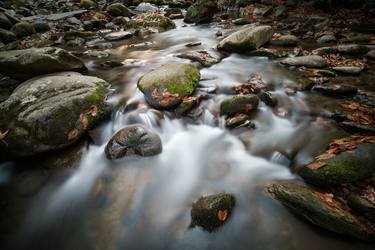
(41, 26)
(120, 35)
(23, 29)
(51, 112)
(24, 64)
(346, 167)
(5, 23)
(361, 203)
(151, 20)
(219, 33)
(7, 36)
(239, 104)
(280, 11)
(146, 7)
(242, 21)
(187, 105)
(268, 98)
(344, 49)
(348, 70)
(201, 56)
(248, 38)
(7, 85)
(109, 64)
(335, 90)
(329, 38)
(371, 54)
(306, 61)
(134, 140)
(193, 44)
(173, 11)
(166, 86)
(78, 42)
(201, 12)
(118, 9)
(285, 40)
(238, 120)
(211, 212)
(322, 209)
(88, 4)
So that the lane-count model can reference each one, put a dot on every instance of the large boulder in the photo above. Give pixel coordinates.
(201, 12)
(5, 23)
(346, 167)
(25, 64)
(166, 86)
(118, 9)
(134, 140)
(210, 212)
(322, 209)
(151, 20)
(306, 61)
(249, 38)
(51, 112)
(244, 104)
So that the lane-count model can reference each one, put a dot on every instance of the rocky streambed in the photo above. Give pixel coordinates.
(187, 125)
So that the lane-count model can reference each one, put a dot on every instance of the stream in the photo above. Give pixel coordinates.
(145, 203)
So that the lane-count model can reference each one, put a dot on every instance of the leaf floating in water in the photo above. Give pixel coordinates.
(316, 165)
(222, 215)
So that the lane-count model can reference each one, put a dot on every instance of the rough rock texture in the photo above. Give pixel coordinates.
(134, 140)
(346, 167)
(285, 40)
(239, 104)
(51, 112)
(349, 70)
(201, 12)
(24, 64)
(249, 38)
(306, 61)
(210, 212)
(7, 36)
(320, 209)
(166, 86)
(151, 20)
(23, 29)
(203, 57)
(118, 9)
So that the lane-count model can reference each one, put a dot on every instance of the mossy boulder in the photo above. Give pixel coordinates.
(51, 112)
(134, 140)
(347, 167)
(23, 29)
(151, 20)
(249, 38)
(201, 12)
(322, 209)
(118, 9)
(166, 86)
(285, 40)
(27, 63)
(244, 104)
(210, 212)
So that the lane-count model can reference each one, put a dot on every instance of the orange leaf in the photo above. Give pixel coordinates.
(316, 165)
(73, 134)
(222, 215)
(84, 120)
(3, 135)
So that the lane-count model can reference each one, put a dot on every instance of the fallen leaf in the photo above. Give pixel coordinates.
(73, 134)
(222, 215)
(316, 165)
(3, 135)
(329, 199)
(84, 120)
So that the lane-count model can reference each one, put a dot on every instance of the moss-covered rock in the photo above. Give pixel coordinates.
(134, 140)
(239, 104)
(51, 112)
(151, 20)
(23, 29)
(247, 39)
(347, 167)
(201, 12)
(321, 209)
(166, 86)
(24, 64)
(361, 202)
(118, 9)
(210, 212)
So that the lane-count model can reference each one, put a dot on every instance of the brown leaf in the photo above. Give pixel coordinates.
(84, 120)
(73, 134)
(3, 135)
(329, 199)
(222, 215)
(316, 165)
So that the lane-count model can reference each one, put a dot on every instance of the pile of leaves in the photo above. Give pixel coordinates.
(335, 60)
(329, 199)
(338, 146)
(165, 97)
(254, 85)
(358, 113)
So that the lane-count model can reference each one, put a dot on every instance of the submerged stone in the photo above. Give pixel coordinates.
(239, 104)
(321, 209)
(211, 212)
(134, 140)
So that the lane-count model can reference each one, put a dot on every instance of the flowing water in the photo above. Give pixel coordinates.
(145, 203)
